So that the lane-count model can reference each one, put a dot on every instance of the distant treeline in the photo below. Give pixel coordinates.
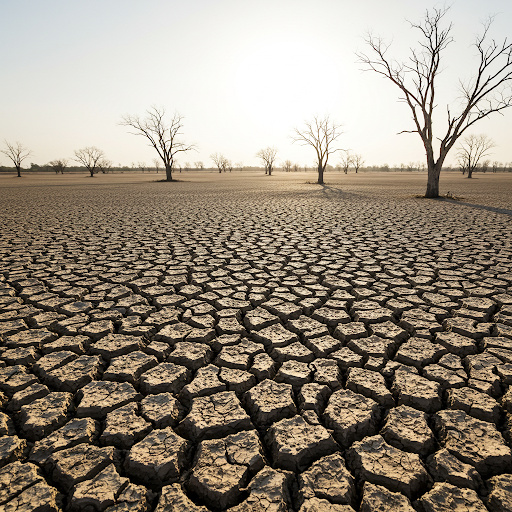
(412, 167)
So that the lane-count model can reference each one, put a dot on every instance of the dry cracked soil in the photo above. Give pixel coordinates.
(254, 343)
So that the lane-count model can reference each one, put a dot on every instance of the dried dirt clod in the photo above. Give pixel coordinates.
(123, 427)
(407, 429)
(222, 467)
(158, 459)
(378, 498)
(115, 345)
(162, 410)
(76, 431)
(205, 382)
(81, 462)
(320, 505)
(473, 442)
(173, 499)
(134, 498)
(263, 367)
(479, 405)
(416, 391)
(191, 355)
(214, 416)
(294, 443)
(445, 467)
(351, 416)
(164, 378)
(12, 448)
(375, 461)
(98, 493)
(370, 384)
(444, 497)
(38, 497)
(275, 336)
(328, 479)
(130, 367)
(98, 398)
(500, 493)
(269, 490)
(76, 374)
(269, 402)
(15, 478)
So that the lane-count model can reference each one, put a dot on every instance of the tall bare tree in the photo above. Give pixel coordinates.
(268, 158)
(487, 92)
(105, 165)
(220, 161)
(59, 165)
(199, 165)
(239, 166)
(89, 157)
(471, 150)
(163, 135)
(287, 165)
(156, 162)
(16, 153)
(357, 162)
(322, 134)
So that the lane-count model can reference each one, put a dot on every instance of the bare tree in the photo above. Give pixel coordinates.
(357, 162)
(187, 166)
(163, 136)
(268, 157)
(89, 157)
(105, 165)
(199, 165)
(485, 166)
(142, 166)
(239, 166)
(287, 165)
(346, 162)
(471, 150)
(220, 161)
(321, 134)
(495, 166)
(157, 164)
(486, 93)
(59, 165)
(296, 168)
(16, 153)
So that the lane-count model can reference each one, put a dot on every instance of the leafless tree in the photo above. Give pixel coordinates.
(268, 157)
(142, 166)
(357, 162)
(89, 157)
(485, 166)
(321, 134)
(163, 135)
(16, 153)
(105, 165)
(487, 92)
(59, 165)
(239, 166)
(229, 166)
(199, 165)
(287, 165)
(346, 162)
(220, 161)
(186, 167)
(295, 167)
(495, 166)
(471, 150)
(157, 163)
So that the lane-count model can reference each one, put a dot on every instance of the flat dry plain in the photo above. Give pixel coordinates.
(255, 343)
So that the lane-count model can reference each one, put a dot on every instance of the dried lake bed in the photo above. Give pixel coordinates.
(252, 343)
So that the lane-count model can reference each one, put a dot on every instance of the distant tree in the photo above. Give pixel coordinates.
(16, 153)
(162, 135)
(105, 165)
(484, 167)
(220, 161)
(157, 164)
(186, 167)
(199, 165)
(142, 166)
(239, 166)
(295, 167)
(346, 162)
(59, 165)
(495, 166)
(486, 93)
(357, 162)
(471, 150)
(268, 157)
(321, 134)
(89, 157)
(287, 165)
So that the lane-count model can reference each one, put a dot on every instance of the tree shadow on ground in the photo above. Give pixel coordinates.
(494, 209)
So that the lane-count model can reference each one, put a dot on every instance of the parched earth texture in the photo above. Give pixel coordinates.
(254, 343)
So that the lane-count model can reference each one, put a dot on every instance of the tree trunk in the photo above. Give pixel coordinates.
(92, 172)
(168, 172)
(18, 168)
(434, 170)
(270, 171)
(320, 175)
(470, 173)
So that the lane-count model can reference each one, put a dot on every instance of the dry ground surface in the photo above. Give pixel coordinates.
(255, 343)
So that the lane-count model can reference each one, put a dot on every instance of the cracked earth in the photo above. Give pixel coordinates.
(255, 344)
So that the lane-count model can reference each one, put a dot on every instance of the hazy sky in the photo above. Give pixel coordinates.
(242, 73)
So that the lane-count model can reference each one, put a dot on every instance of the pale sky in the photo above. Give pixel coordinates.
(242, 73)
